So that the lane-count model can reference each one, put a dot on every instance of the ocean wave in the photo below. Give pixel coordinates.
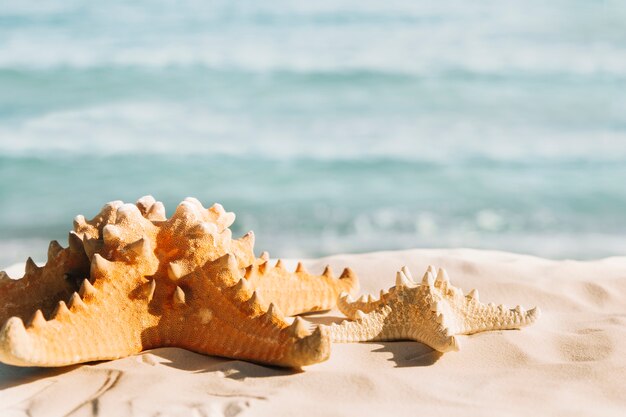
(184, 129)
(490, 38)
(328, 127)
(309, 207)
(22, 52)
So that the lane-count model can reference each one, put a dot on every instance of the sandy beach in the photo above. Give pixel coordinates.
(571, 362)
(342, 134)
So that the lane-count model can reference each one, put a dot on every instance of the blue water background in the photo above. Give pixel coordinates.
(326, 126)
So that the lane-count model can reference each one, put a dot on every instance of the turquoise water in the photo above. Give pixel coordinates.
(326, 127)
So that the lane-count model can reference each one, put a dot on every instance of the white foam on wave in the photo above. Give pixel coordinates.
(561, 245)
(497, 38)
(177, 129)
(300, 55)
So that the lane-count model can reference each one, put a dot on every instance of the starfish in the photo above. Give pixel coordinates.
(433, 312)
(167, 282)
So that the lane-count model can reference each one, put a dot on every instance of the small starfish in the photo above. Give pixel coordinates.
(433, 313)
(299, 291)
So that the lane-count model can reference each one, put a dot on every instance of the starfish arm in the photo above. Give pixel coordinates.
(349, 306)
(366, 328)
(93, 325)
(253, 340)
(478, 317)
(70, 337)
(367, 303)
(468, 315)
(41, 287)
(299, 292)
(436, 336)
(222, 315)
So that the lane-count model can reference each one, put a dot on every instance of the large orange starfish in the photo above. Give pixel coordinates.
(131, 260)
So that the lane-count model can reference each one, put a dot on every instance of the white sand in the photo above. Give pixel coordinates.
(571, 362)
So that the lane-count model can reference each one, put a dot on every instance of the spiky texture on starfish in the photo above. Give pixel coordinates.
(433, 312)
(299, 291)
(157, 280)
(42, 287)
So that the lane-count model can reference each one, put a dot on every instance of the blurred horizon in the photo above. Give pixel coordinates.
(325, 127)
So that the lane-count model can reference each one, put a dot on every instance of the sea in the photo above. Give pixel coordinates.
(326, 126)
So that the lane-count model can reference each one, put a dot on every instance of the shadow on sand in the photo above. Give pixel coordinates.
(405, 353)
(12, 376)
(231, 368)
(410, 353)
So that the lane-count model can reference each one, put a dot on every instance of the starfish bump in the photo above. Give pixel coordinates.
(433, 312)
